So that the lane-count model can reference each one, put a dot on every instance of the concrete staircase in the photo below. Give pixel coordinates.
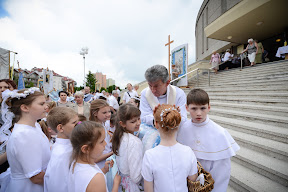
(252, 105)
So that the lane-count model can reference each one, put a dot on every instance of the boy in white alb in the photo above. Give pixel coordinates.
(211, 143)
(62, 120)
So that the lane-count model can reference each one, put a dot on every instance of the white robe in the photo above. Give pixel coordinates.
(213, 147)
(169, 167)
(173, 96)
(56, 176)
(28, 153)
(129, 161)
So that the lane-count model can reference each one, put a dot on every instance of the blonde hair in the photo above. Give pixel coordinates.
(95, 106)
(59, 115)
(85, 133)
(167, 117)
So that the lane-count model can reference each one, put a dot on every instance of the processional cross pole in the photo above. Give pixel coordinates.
(169, 42)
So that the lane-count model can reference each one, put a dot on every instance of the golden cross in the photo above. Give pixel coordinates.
(169, 42)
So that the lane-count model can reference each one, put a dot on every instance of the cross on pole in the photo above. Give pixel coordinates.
(169, 42)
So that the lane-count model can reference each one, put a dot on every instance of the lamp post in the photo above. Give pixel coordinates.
(83, 52)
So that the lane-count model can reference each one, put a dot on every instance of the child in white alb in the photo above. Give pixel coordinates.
(62, 120)
(128, 148)
(28, 149)
(211, 143)
(88, 141)
(167, 166)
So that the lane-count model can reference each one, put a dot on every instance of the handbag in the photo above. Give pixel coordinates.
(195, 186)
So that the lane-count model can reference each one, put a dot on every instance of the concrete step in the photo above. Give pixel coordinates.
(281, 121)
(245, 82)
(261, 109)
(262, 94)
(283, 88)
(251, 100)
(236, 84)
(267, 166)
(242, 76)
(244, 179)
(269, 147)
(275, 133)
(230, 189)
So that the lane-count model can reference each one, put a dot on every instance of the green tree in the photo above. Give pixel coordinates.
(78, 88)
(91, 81)
(102, 88)
(111, 88)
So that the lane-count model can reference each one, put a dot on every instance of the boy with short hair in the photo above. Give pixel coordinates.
(211, 143)
(62, 120)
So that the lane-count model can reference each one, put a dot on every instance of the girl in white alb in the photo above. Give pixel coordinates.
(100, 112)
(128, 148)
(167, 166)
(28, 149)
(88, 141)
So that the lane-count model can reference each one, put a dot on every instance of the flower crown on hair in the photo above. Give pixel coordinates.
(15, 94)
(162, 113)
(7, 115)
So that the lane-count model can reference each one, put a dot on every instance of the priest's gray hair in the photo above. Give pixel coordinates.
(157, 72)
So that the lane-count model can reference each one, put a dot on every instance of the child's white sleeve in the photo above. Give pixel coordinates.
(135, 155)
(194, 168)
(146, 169)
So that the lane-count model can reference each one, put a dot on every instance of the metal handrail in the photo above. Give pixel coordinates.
(241, 56)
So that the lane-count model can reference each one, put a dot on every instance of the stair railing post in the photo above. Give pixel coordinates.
(241, 56)
(209, 77)
(197, 78)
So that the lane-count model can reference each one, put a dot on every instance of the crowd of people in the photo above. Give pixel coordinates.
(66, 146)
(256, 54)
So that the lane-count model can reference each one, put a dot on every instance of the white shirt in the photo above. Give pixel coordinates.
(227, 56)
(147, 111)
(129, 159)
(80, 177)
(126, 96)
(28, 153)
(113, 102)
(56, 176)
(169, 167)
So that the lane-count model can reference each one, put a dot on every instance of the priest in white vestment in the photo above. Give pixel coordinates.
(160, 92)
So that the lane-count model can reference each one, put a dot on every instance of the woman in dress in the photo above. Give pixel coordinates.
(215, 60)
(252, 49)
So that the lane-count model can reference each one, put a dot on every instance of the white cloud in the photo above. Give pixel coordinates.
(124, 37)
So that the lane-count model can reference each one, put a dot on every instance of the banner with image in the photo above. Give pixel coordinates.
(4, 63)
(179, 65)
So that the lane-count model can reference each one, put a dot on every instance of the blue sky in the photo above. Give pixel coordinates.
(124, 37)
(3, 12)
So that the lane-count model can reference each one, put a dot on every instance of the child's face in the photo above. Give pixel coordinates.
(103, 114)
(98, 148)
(132, 125)
(38, 107)
(132, 101)
(198, 112)
(68, 127)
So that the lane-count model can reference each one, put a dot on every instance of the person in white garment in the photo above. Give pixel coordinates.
(100, 112)
(129, 94)
(160, 92)
(62, 120)
(88, 142)
(112, 100)
(128, 148)
(167, 166)
(211, 143)
(28, 149)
